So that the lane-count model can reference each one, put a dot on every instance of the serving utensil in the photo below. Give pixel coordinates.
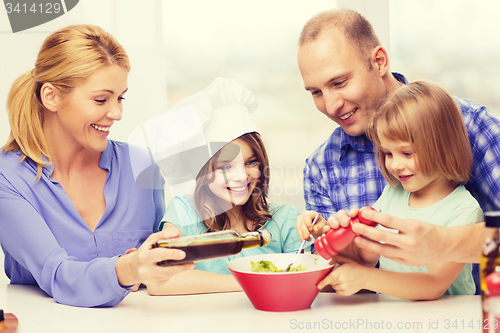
(316, 218)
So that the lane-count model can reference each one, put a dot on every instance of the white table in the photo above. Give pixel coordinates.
(233, 312)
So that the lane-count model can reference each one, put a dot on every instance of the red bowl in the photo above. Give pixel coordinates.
(281, 291)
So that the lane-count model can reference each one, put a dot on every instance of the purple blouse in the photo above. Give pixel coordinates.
(46, 242)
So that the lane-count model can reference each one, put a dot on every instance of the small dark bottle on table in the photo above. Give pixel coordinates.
(490, 274)
(8, 322)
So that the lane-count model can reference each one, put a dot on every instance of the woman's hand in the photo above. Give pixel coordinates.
(305, 228)
(141, 266)
(136, 286)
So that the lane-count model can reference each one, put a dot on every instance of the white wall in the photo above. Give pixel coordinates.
(137, 28)
(178, 47)
(183, 46)
(142, 41)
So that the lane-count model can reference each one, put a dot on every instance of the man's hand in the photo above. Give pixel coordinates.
(419, 243)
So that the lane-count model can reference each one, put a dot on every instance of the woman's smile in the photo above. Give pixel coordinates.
(101, 128)
(238, 190)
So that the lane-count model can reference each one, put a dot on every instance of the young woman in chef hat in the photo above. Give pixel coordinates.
(212, 138)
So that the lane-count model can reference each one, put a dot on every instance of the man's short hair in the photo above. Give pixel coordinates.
(353, 25)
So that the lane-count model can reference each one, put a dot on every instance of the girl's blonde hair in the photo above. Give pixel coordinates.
(256, 209)
(67, 57)
(428, 117)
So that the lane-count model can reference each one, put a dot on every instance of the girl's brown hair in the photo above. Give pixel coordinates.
(428, 117)
(66, 58)
(255, 209)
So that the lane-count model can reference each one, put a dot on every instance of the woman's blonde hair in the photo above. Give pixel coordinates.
(255, 209)
(67, 57)
(428, 117)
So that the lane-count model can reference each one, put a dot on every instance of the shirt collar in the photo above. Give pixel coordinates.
(362, 143)
(104, 162)
(47, 169)
(106, 157)
(400, 77)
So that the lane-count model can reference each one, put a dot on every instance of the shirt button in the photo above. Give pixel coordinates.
(126, 292)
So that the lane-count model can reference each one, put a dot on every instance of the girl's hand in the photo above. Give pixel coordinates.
(368, 257)
(348, 278)
(305, 228)
(141, 266)
(342, 219)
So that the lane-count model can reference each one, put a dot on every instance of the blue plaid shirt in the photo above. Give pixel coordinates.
(342, 173)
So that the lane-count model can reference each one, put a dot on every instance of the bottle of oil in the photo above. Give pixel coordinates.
(213, 245)
(490, 274)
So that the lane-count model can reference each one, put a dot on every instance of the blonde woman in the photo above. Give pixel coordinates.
(70, 206)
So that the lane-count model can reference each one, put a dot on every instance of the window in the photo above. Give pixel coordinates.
(256, 45)
(453, 43)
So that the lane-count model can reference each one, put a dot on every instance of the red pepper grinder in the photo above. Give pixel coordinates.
(335, 240)
(492, 320)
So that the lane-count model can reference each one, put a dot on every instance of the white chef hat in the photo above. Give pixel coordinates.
(183, 140)
(223, 109)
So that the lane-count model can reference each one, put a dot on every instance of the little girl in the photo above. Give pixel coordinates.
(231, 188)
(425, 156)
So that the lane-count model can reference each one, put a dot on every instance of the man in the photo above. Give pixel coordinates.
(346, 70)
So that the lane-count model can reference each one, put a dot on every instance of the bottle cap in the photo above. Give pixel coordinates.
(492, 219)
(266, 237)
